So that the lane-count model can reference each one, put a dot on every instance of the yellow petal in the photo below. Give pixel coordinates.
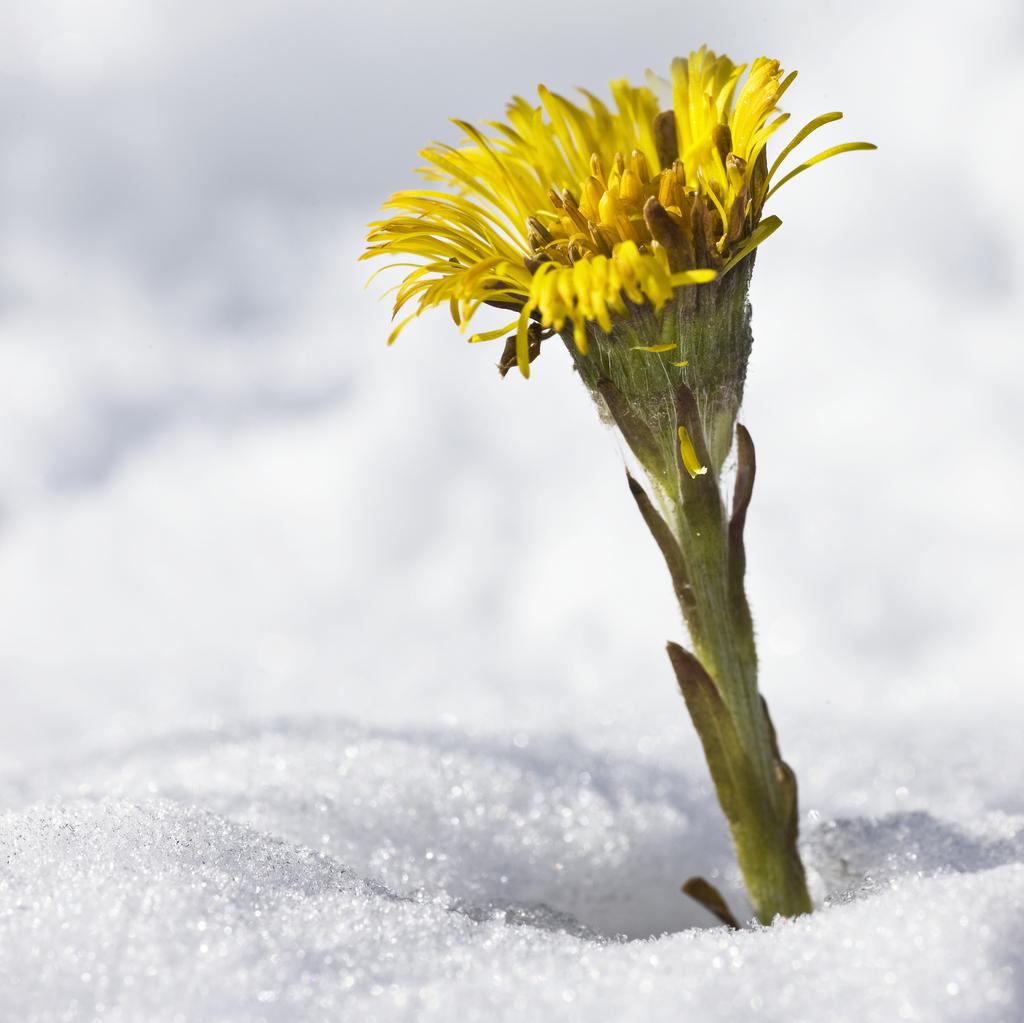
(691, 463)
(767, 227)
(846, 147)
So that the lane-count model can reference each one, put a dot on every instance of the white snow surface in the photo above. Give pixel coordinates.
(334, 683)
(298, 871)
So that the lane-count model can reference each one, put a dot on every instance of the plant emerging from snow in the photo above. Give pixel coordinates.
(630, 232)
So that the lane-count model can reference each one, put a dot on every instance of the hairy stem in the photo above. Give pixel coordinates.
(756, 788)
(662, 376)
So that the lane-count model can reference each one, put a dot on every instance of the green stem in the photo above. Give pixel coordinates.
(756, 788)
(706, 560)
(649, 396)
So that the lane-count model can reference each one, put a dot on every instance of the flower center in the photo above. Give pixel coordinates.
(695, 222)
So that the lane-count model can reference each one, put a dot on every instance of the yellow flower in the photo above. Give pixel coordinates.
(569, 215)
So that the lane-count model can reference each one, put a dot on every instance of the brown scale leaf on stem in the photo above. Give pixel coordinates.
(746, 468)
(670, 551)
(712, 900)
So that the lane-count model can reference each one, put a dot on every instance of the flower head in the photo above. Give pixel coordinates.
(572, 216)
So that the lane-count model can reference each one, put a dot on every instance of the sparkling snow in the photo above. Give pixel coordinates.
(333, 676)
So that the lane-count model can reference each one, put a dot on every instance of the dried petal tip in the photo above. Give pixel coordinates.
(537, 228)
(721, 136)
(669, 235)
(509, 356)
(537, 236)
(665, 140)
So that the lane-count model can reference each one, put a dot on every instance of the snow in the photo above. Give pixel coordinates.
(334, 682)
(322, 871)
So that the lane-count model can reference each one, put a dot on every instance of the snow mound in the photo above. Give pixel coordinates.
(327, 871)
(605, 839)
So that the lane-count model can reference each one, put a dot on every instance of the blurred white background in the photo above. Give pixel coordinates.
(221, 496)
